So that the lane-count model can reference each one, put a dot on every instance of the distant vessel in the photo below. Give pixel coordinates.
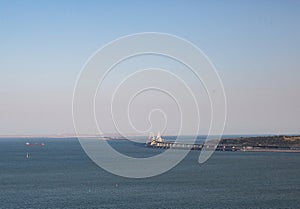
(27, 155)
(35, 144)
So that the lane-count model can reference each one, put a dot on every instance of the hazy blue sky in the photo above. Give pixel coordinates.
(254, 45)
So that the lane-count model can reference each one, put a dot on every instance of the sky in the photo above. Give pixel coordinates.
(254, 45)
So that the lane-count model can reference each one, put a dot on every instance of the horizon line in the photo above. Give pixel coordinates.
(111, 135)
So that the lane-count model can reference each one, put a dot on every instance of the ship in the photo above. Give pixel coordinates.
(34, 144)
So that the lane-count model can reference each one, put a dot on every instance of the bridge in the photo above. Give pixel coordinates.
(160, 144)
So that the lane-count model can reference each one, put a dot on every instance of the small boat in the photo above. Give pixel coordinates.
(27, 155)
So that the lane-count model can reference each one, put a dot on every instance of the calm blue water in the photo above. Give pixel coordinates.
(60, 175)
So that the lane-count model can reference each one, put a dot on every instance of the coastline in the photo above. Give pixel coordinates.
(281, 143)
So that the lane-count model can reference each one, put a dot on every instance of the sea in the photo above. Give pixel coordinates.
(61, 175)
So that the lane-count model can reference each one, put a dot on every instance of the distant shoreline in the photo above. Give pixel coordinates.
(273, 150)
(260, 143)
(280, 143)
